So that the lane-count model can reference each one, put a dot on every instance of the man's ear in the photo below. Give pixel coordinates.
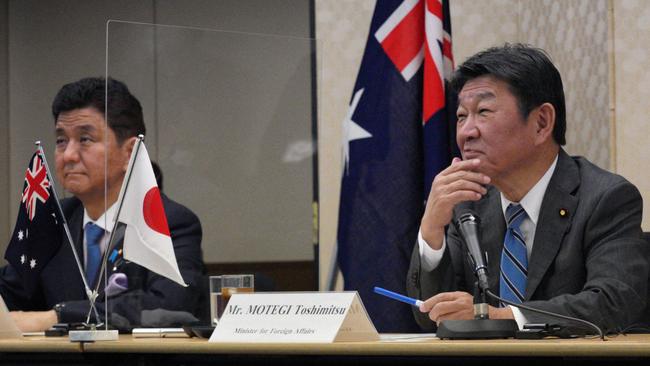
(127, 149)
(544, 122)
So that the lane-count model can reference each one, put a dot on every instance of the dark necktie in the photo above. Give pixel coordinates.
(94, 234)
(514, 259)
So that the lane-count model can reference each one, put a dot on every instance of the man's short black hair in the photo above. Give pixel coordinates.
(529, 73)
(124, 110)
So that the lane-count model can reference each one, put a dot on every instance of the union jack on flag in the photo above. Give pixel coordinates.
(398, 134)
(38, 232)
(36, 186)
(408, 48)
(417, 33)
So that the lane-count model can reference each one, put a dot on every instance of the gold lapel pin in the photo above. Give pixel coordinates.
(563, 212)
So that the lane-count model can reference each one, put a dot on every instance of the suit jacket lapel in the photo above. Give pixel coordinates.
(110, 266)
(552, 223)
(74, 285)
(119, 241)
(77, 232)
(492, 233)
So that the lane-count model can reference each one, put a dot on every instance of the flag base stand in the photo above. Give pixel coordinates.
(93, 335)
(477, 329)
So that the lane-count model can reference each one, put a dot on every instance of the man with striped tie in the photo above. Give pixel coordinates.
(560, 233)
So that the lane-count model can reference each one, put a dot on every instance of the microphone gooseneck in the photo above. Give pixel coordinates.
(468, 224)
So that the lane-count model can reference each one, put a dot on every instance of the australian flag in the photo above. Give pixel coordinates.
(37, 235)
(397, 137)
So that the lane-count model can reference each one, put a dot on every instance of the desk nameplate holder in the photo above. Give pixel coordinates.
(93, 335)
(295, 317)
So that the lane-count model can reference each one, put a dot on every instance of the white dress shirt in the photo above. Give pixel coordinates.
(105, 221)
(531, 202)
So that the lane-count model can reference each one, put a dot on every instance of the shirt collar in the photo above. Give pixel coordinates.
(106, 219)
(532, 201)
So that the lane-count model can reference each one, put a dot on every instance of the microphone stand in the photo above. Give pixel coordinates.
(481, 327)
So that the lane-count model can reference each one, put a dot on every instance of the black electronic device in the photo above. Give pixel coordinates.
(62, 329)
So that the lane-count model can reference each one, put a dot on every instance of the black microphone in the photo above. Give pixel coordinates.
(481, 326)
(468, 224)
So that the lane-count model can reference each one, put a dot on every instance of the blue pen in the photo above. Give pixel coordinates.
(398, 297)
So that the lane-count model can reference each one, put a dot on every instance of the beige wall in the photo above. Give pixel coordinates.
(575, 33)
(631, 38)
(4, 127)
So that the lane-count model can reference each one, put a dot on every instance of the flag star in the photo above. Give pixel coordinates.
(351, 130)
(54, 216)
(21, 235)
(32, 263)
(22, 259)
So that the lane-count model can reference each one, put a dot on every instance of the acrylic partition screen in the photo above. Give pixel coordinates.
(230, 123)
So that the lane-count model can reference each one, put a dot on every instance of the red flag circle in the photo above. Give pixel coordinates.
(154, 214)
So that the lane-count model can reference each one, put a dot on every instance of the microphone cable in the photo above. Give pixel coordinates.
(589, 324)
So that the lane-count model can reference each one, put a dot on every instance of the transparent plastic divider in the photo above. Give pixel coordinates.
(231, 123)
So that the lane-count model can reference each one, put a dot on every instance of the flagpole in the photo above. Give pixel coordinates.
(120, 201)
(91, 295)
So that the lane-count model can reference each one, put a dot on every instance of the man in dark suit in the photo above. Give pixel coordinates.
(560, 233)
(89, 153)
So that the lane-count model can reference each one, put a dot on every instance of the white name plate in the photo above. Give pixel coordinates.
(295, 317)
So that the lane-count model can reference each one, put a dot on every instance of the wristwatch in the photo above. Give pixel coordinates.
(57, 309)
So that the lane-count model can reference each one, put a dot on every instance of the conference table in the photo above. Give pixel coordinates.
(391, 350)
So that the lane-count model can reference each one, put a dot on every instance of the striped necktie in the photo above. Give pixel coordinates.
(514, 260)
(94, 235)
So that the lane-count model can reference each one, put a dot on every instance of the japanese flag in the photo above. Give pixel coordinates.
(147, 240)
